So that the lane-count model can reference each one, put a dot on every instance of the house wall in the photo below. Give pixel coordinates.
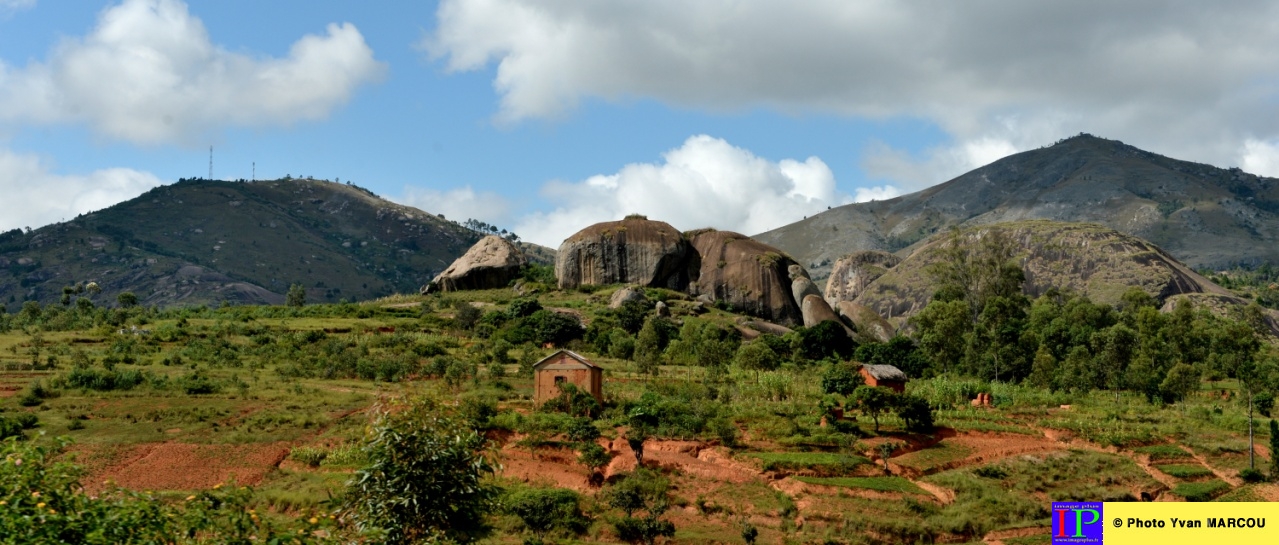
(585, 378)
(895, 385)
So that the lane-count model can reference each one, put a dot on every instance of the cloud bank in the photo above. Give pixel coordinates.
(148, 74)
(1183, 78)
(34, 195)
(706, 182)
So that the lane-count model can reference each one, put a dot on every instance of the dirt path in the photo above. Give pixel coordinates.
(1235, 481)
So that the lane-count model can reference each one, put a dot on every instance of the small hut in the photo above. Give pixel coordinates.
(566, 367)
(887, 376)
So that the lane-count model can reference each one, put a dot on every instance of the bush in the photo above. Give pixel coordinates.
(425, 478)
(916, 413)
(1250, 475)
(545, 510)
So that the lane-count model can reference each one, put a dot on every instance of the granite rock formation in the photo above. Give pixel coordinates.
(493, 262)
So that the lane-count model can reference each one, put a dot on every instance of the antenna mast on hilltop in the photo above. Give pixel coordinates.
(254, 178)
(210, 162)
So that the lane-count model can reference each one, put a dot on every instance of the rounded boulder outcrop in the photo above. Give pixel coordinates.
(866, 321)
(853, 272)
(635, 250)
(748, 275)
(493, 262)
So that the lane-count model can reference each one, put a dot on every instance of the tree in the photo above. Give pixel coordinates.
(595, 458)
(756, 356)
(296, 296)
(425, 477)
(842, 379)
(916, 413)
(545, 509)
(1180, 381)
(873, 401)
(942, 330)
(642, 490)
(1274, 451)
(648, 347)
(823, 341)
(127, 299)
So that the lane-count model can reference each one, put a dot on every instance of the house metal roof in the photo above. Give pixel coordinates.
(571, 354)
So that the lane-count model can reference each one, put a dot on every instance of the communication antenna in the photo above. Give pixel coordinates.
(254, 178)
(210, 162)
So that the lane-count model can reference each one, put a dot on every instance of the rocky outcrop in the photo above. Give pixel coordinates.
(625, 295)
(748, 275)
(491, 263)
(802, 287)
(866, 321)
(635, 250)
(853, 272)
(815, 311)
(1088, 259)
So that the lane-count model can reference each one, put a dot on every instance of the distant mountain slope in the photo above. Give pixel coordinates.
(201, 241)
(1087, 259)
(1203, 215)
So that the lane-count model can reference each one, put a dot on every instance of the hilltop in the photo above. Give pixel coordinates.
(210, 242)
(1200, 214)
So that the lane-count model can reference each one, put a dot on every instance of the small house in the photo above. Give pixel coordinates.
(566, 367)
(887, 376)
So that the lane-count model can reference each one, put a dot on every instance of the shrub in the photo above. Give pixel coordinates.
(1250, 475)
(548, 509)
(425, 478)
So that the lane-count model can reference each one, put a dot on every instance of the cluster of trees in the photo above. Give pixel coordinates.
(1261, 283)
(981, 324)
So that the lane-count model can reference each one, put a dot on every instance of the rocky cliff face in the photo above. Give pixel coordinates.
(631, 251)
(1089, 259)
(493, 262)
(853, 272)
(749, 275)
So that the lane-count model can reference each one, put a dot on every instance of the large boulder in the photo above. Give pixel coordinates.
(631, 251)
(816, 311)
(853, 272)
(748, 275)
(802, 287)
(866, 321)
(625, 295)
(493, 262)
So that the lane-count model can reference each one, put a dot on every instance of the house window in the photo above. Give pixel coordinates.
(559, 381)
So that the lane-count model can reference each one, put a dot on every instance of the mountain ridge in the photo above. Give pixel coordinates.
(1203, 215)
(209, 242)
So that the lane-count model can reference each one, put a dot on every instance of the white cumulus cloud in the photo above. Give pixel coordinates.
(459, 204)
(148, 73)
(706, 182)
(34, 195)
(1261, 157)
(1184, 78)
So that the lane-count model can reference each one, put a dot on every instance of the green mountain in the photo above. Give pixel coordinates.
(1200, 214)
(202, 241)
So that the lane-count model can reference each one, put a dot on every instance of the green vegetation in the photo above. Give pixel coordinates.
(882, 484)
(1201, 491)
(357, 398)
(1185, 471)
(821, 462)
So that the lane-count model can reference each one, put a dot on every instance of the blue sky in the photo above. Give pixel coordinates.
(546, 116)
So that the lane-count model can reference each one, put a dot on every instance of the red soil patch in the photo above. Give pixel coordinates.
(185, 466)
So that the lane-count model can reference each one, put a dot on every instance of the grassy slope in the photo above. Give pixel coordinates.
(250, 241)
